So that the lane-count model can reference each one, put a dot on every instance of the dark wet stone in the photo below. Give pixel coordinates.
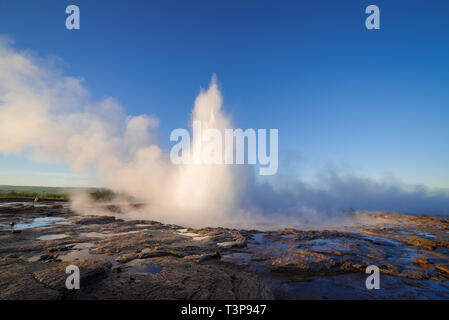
(55, 277)
(172, 262)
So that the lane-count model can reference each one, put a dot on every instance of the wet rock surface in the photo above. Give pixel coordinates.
(120, 259)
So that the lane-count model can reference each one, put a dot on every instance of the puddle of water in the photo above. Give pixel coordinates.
(405, 258)
(245, 260)
(352, 286)
(287, 236)
(188, 234)
(381, 240)
(43, 223)
(257, 266)
(259, 237)
(342, 287)
(325, 244)
(269, 244)
(226, 244)
(40, 205)
(128, 232)
(194, 236)
(278, 245)
(27, 204)
(53, 237)
(13, 204)
(143, 267)
(149, 268)
(425, 234)
(200, 238)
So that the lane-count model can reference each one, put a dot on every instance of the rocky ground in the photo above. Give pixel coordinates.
(121, 259)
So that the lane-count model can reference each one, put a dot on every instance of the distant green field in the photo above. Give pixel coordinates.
(50, 193)
(43, 193)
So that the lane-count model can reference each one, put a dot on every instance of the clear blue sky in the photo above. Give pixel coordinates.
(372, 101)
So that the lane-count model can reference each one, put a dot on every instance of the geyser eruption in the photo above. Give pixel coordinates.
(62, 124)
(192, 194)
(200, 189)
(51, 117)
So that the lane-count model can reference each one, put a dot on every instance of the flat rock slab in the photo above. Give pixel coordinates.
(55, 276)
(145, 259)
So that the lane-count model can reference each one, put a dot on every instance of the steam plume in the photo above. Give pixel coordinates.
(52, 118)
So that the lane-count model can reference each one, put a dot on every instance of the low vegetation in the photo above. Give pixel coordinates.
(49, 193)
(32, 195)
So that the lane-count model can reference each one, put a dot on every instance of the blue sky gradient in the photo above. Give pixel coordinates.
(371, 102)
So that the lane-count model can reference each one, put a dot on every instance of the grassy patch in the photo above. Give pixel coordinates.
(13, 194)
(52, 194)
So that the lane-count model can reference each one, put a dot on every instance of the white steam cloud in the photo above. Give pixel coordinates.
(51, 117)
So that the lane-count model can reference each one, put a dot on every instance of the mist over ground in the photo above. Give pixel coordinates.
(51, 117)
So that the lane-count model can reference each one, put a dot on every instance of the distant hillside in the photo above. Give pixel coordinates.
(28, 192)
(50, 193)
